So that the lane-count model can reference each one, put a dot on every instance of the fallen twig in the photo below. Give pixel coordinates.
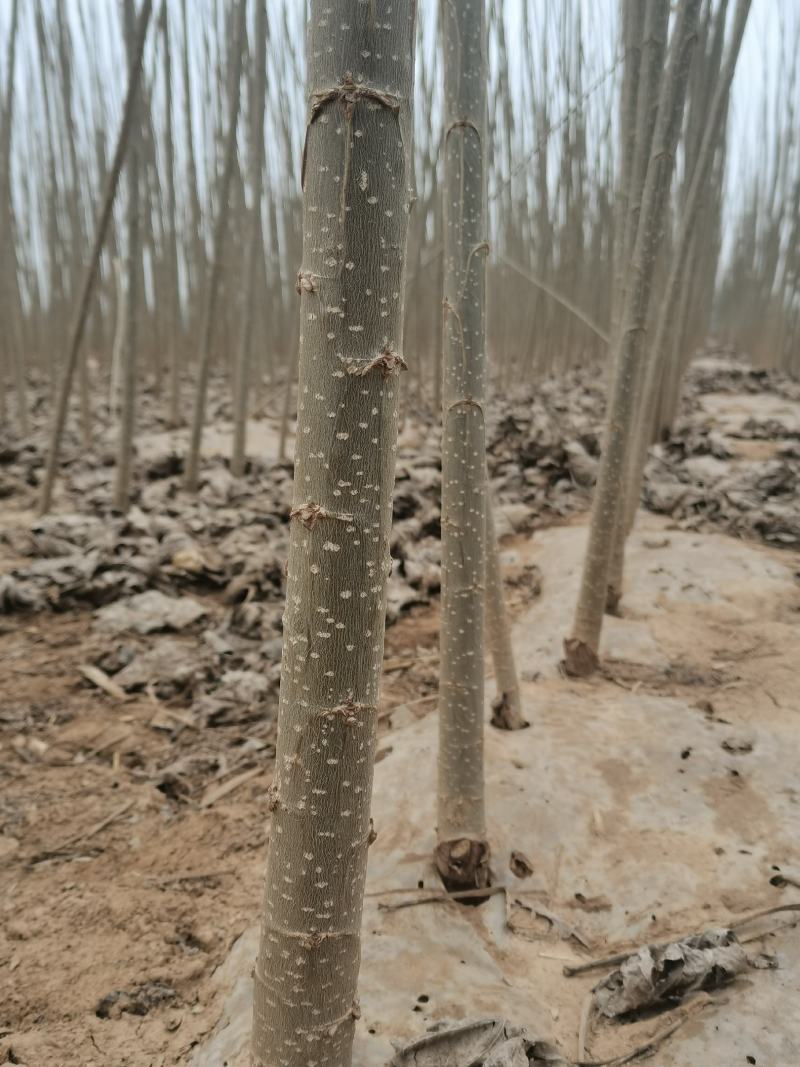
(217, 792)
(596, 965)
(655, 1042)
(199, 876)
(763, 915)
(102, 681)
(583, 1028)
(781, 880)
(81, 838)
(78, 839)
(620, 957)
(404, 662)
(565, 930)
(441, 897)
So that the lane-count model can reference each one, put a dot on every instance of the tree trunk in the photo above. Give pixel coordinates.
(658, 378)
(255, 252)
(9, 278)
(214, 267)
(507, 704)
(75, 225)
(357, 179)
(119, 340)
(581, 648)
(103, 219)
(462, 851)
(681, 258)
(122, 481)
(195, 248)
(642, 110)
(631, 17)
(175, 331)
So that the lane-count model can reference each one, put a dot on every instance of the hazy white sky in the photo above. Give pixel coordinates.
(770, 38)
(771, 33)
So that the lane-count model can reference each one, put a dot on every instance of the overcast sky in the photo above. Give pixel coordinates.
(771, 33)
(766, 57)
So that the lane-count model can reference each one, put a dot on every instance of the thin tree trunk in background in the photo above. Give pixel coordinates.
(119, 340)
(75, 227)
(195, 250)
(651, 73)
(717, 112)
(507, 711)
(103, 219)
(122, 480)
(255, 251)
(286, 410)
(631, 14)
(644, 111)
(175, 331)
(581, 648)
(462, 850)
(53, 240)
(9, 280)
(214, 268)
(657, 377)
(360, 79)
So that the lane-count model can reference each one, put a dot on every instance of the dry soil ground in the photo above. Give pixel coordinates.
(657, 799)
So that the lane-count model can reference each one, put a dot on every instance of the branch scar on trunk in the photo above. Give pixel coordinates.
(387, 361)
(466, 402)
(349, 92)
(305, 282)
(348, 712)
(310, 514)
(463, 124)
(330, 1028)
(448, 307)
(481, 249)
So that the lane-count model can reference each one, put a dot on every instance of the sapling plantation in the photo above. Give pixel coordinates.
(367, 368)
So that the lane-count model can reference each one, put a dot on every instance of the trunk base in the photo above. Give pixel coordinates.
(613, 598)
(580, 661)
(463, 864)
(506, 714)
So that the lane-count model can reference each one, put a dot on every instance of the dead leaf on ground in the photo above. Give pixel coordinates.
(657, 977)
(150, 611)
(524, 919)
(478, 1043)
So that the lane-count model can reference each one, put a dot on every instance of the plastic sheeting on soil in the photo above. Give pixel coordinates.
(640, 824)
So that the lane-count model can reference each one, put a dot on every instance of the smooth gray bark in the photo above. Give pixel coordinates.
(462, 851)
(357, 183)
